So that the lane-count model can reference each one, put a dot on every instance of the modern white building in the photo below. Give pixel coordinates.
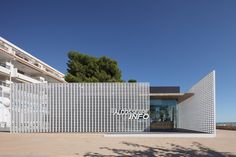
(18, 66)
(114, 108)
(35, 98)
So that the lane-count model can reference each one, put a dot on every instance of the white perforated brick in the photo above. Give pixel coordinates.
(78, 107)
(198, 112)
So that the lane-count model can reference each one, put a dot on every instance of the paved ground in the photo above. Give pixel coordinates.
(39, 145)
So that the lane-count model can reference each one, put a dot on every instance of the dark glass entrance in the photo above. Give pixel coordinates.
(163, 114)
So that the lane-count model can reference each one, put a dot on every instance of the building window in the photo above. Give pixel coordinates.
(163, 114)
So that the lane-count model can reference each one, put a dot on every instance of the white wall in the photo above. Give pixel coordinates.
(198, 112)
(4, 116)
(78, 107)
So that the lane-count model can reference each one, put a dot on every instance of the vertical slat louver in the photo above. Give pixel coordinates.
(78, 107)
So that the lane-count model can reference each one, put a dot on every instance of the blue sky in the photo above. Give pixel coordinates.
(161, 42)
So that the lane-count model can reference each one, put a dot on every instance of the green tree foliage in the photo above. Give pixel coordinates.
(132, 81)
(85, 68)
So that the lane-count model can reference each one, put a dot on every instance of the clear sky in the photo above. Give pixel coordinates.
(161, 42)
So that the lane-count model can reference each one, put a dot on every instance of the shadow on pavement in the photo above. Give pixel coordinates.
(172, 150)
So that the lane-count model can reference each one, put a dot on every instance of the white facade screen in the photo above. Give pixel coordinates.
(198, 112)
(80, 107)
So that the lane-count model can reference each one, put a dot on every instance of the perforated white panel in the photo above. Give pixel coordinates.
(198, 112)
(79, 107)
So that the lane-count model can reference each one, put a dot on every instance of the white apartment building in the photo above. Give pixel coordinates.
(18, 66)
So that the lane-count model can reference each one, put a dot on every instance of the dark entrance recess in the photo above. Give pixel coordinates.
(163, 115)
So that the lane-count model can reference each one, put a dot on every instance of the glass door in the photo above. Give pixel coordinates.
(162, 115)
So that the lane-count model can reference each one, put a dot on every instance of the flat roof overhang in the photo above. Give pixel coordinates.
(180, 97)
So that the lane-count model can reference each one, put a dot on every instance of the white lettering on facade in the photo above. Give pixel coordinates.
(133, 114)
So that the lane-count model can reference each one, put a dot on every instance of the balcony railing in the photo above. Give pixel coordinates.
(2, 83)
(4, 69)
(27, 78)
(28, 59)
(5, 66)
